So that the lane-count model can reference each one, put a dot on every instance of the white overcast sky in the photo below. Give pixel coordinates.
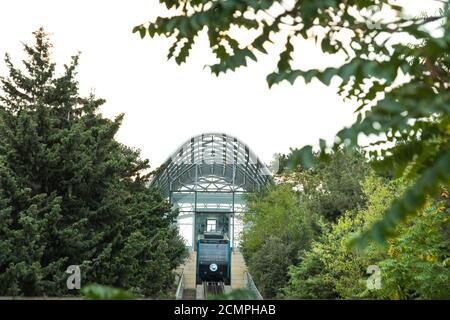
(165, 104)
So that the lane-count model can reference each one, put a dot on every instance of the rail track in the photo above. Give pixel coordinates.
(211, 288)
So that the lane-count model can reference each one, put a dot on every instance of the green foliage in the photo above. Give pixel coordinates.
(70, 193)
(333, 186)
(322, 265)
(419, 259)
(307, 280)
(283, 222)
(401, 86)
(415, 265)
(278, 229)
(269, 265)
(99, 292)
(331, 269)
(276, 212)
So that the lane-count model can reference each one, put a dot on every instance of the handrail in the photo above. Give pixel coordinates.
(250, 285)
(180, 286)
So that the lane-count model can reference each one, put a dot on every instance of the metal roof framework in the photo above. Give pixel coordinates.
(209, 174)
(212, 162)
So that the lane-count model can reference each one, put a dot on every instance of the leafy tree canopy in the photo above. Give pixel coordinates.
(277, 228)
(331, 187)
(414, 266)
(283, 220)
(397, 69)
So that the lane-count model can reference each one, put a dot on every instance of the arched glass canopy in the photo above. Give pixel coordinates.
(206, 178)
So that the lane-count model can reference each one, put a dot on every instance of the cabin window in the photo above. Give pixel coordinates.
(211, 225)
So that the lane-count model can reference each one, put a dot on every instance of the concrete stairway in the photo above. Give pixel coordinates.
(238, 269)
(190, 267)
(189, 294)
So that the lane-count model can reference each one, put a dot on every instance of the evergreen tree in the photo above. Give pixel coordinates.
(70, 193)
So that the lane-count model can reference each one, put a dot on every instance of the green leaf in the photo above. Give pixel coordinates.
(303, 157)
(184, 51)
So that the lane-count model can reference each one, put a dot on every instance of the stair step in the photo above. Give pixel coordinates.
(189, 294)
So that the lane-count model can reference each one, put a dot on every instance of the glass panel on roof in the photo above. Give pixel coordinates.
(184, 201)
(214, 201)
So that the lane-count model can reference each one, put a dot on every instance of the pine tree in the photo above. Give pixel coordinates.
(70, 193)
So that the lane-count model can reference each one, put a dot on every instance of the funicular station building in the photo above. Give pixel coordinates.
(206, 179)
